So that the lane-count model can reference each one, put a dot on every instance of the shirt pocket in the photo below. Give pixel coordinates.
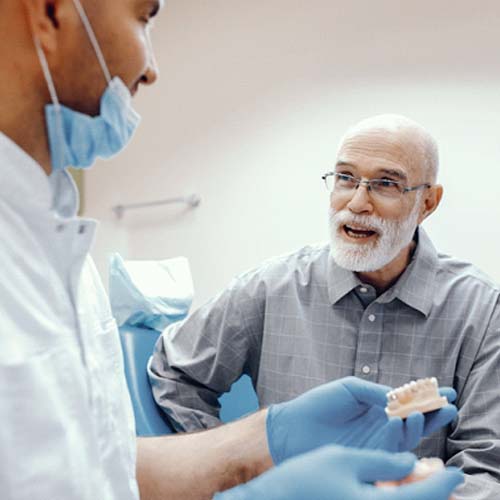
(46, 433)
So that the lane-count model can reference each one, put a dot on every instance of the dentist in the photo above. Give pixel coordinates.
(68, 71)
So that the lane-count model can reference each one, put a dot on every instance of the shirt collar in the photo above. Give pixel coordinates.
(340, 281)
(412, 288)
(65, 196)
(24, 184)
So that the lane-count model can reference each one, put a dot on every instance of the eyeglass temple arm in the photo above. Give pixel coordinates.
(420, 186)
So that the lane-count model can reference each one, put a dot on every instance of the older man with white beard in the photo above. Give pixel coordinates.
(373, 229)
(379, 302)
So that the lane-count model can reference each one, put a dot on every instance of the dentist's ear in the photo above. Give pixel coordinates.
(432, 199)
(44, 20)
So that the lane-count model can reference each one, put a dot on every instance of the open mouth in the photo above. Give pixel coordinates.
(358, 233)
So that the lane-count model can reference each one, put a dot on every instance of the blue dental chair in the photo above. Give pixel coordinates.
(137, 346)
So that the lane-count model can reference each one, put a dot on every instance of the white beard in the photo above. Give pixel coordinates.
(393, 236)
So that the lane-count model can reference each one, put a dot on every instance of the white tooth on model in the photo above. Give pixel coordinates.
(425, 467)
(421, 395)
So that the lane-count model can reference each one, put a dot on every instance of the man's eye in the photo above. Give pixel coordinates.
(387, 183)
(147, 18)
(149, 15)
(344, 177)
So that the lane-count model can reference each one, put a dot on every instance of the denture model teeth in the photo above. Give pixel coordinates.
(424, 468)
(421, 395)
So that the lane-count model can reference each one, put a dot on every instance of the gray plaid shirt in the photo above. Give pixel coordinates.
(300, 320)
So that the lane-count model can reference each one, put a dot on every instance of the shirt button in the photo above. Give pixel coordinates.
(366, 369)
(363, 289)
(371, 317)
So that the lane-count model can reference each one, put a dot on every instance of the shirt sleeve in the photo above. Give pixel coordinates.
(474, 442)
(196, 361)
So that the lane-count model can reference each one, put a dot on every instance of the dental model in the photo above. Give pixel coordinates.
(422, 396)
(424, 468)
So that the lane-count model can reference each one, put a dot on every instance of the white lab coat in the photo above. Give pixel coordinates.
(66, 422)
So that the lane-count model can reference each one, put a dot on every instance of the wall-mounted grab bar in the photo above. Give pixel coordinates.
(192, 200)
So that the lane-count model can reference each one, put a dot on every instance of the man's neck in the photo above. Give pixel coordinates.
(22, 118)
(384, 278)
(25, 125)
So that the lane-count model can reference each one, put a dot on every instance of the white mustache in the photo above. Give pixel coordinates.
(371, 223)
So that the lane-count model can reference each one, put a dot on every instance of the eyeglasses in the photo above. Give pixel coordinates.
(386, 188)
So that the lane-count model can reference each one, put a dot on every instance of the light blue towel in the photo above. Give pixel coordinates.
(150, 294)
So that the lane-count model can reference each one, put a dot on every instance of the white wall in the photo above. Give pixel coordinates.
(252, 100)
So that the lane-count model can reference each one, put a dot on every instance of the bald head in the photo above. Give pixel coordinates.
(407, 140)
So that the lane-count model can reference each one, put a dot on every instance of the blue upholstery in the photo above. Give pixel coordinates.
(138, 345)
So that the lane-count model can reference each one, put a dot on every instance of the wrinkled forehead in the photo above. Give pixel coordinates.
(376, 149)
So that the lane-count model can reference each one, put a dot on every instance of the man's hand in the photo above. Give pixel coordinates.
(336, 473)
(348, 412)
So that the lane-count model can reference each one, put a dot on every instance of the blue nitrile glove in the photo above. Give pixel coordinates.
(348, 412)
(337, 473)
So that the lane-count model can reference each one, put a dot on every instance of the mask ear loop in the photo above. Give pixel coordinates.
(55, 100)
(93, 40)
(46, 73)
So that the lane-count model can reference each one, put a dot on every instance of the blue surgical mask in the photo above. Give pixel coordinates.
(77, 139)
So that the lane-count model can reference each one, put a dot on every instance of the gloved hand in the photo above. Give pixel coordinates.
(336, 473)
(348, 412)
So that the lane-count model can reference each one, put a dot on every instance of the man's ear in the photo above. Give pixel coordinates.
(432, 199)
(43, 20)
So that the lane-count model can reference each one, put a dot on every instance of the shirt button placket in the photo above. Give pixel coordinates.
(368, 344)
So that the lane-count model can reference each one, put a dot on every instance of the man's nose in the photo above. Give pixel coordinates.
(152, 71)
(360, 201)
